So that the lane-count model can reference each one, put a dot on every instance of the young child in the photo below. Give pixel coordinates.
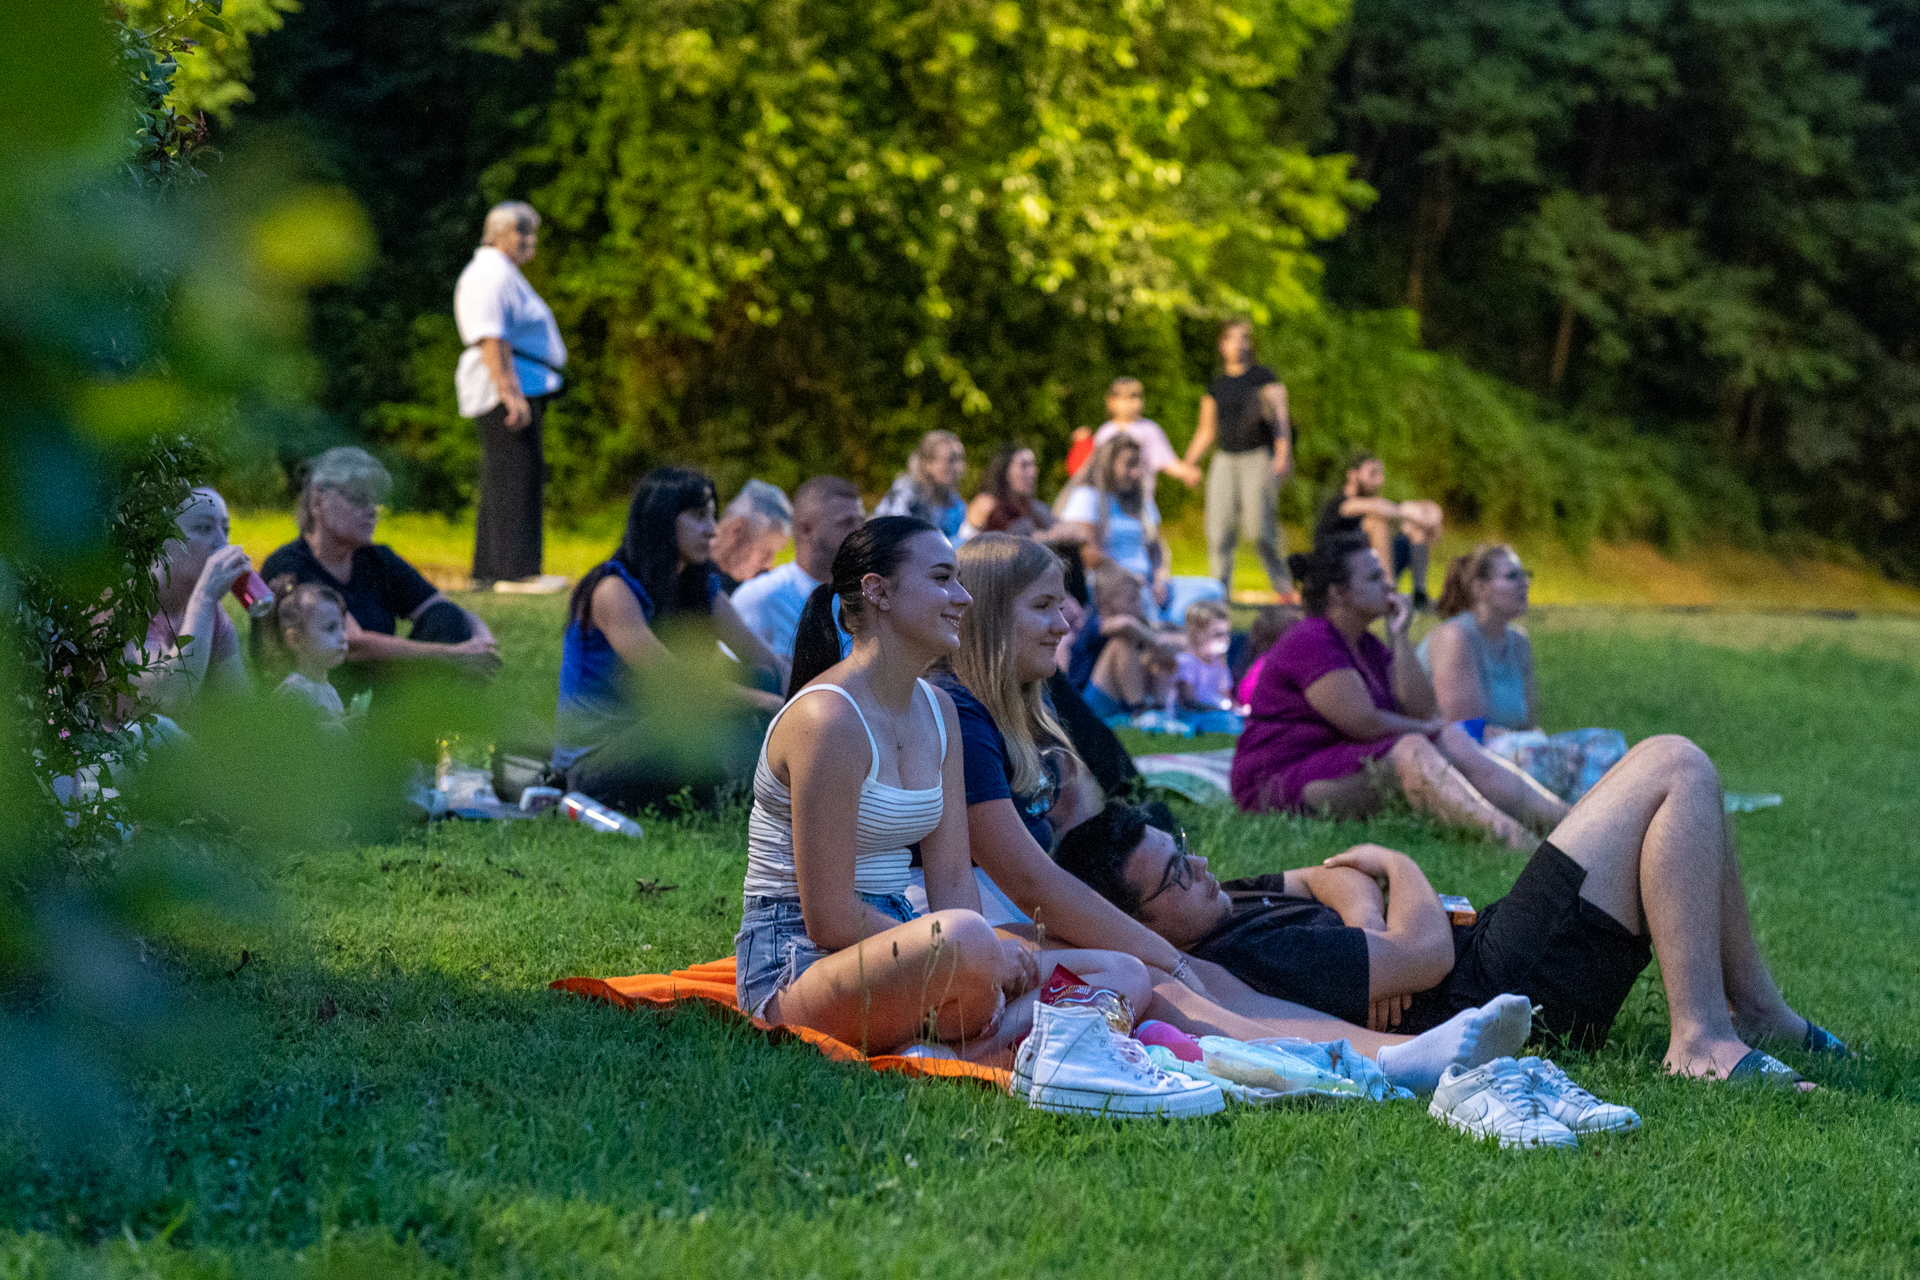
(305, 634)
(1134, 672)
(1202, 695)
(1126, 404)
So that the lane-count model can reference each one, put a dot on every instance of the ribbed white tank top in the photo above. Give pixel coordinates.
(890, 818)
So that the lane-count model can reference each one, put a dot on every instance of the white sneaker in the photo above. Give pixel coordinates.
(1080, 1066)
(1573, 1106)
(1020, 1083)
(1497, 1100)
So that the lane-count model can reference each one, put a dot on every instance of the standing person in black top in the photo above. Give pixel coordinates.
(1402, 533)
(1245, 412)
(339, 507)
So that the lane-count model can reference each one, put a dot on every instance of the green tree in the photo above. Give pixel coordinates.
(793, 235)
(145, 303)
(214, 61)
(1699, 216)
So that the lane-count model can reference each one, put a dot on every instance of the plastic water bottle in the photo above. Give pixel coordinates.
(588, 812)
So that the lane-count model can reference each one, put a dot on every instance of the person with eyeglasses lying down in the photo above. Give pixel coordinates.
(1025, 781)
(1644, 864)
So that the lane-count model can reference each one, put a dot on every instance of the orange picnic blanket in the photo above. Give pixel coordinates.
(713, 983)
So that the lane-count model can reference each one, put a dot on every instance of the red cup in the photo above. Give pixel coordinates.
(253, 592)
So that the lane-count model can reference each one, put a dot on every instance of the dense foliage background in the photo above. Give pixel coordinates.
(1606, 266)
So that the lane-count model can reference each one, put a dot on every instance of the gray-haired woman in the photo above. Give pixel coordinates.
(510, 368)
(339, 507)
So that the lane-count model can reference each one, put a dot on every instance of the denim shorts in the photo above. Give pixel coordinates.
(772, 948)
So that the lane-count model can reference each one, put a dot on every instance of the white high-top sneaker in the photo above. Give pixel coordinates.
(1020, 1081)
(1080, 1066)
(1572, 1105)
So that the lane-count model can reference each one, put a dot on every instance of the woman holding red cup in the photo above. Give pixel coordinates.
(191, 643)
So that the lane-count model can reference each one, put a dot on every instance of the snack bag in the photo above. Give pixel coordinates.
(1064, 987)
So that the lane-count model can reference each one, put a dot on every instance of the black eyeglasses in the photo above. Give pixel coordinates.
(1179, 872)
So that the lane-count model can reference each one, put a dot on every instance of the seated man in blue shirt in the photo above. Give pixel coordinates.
(1644, 862)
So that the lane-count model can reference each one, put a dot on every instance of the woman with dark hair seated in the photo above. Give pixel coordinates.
(1338, 721)
(1006, 502)
(862, 765)
(339, 507)
(663, 573)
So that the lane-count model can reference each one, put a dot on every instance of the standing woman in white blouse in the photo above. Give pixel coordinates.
(508, 372)
(865, 762)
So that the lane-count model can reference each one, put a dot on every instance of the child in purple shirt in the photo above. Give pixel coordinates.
(1202, 694)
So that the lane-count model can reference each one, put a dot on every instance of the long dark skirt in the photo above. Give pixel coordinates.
(513, 472)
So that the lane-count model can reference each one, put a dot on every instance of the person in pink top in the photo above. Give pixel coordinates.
(1339, 722)
(1126, 405)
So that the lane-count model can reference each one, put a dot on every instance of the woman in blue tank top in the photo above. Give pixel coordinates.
(662, 576)
(1482, 668)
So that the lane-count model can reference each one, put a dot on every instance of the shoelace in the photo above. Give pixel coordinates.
(1132, 1055)
(1516, 1090)
(1550, 1077)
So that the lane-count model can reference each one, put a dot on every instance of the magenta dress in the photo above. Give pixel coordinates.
(1288, 744)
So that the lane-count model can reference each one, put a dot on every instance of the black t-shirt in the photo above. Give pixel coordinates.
(1291, 948)
(1240, 412)
(380, 590)
(1331, 522)
(1294, 948)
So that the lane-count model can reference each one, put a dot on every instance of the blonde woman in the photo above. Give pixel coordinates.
(1113, 512)
(929, 488)
(1025, 785)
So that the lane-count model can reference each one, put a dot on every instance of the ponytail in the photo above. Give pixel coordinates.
(816, 642)
(875, 547)
(1456, 594)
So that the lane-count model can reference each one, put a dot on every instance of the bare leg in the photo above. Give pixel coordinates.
(1469, 1038)
(1379, 533)
(1512, 791)
(1433, 786)
(1760, 1012)
(936, 972)
(1109, 969)
(1652, 839)
(1242, 1013)
(1355, 796)
(1122, 675)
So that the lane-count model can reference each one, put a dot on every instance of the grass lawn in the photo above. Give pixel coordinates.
(397, 1093)
(1633, 573)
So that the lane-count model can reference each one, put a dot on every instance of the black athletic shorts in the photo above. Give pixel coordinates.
(1543, 941)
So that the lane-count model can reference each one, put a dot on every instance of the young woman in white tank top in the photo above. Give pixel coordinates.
(860, 765)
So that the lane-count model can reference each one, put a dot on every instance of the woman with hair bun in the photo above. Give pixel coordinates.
(864, 762)
(1339, 722)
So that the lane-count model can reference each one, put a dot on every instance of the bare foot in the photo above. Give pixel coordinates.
(1712, 1060)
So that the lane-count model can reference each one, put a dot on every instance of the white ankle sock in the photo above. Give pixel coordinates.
(1497, 1029)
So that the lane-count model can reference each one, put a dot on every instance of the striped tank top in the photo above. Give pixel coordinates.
(890, 818)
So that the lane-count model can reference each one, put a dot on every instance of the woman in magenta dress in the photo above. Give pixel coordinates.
(1339, 721)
